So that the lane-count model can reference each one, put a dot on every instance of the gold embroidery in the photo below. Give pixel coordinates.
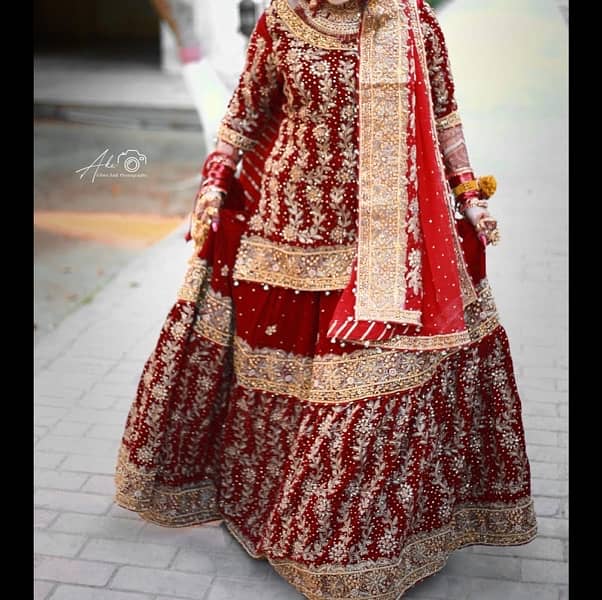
(331, 378)
(384, 368)
(193, 279)
(383, 194)
(215, 321)
(439, 70)
(182, 507)
(450, 120)
(422, 555)
(414, 274)
(338, 21)
(433, 342)
(480, 318)
(270, 330)
(319, 31)
(230, 136)
(310, 269)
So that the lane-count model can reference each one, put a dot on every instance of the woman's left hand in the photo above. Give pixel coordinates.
(484, 224)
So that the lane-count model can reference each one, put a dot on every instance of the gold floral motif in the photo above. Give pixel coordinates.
(331, 34)
(215, 321)
(383, 194)
(310, 269)
(195, 275)
(414, 274)
(414, 228)
(266, 218)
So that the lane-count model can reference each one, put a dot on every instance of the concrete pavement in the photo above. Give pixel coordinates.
(86, 231)
(512, 90)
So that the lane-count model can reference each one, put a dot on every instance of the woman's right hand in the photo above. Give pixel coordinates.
(218, 172)
(206, 214)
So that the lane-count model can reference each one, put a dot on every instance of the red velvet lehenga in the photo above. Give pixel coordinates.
(354, 463)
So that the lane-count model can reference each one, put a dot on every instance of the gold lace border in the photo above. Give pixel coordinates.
(215, 321)
(423, 554)
(306, 269)
(196, 277)
(182, 507)
(384, 190)
(306, 33)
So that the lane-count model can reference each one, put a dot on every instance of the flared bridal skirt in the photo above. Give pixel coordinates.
(355, 471)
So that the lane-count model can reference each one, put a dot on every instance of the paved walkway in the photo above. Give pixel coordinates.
(88, 368)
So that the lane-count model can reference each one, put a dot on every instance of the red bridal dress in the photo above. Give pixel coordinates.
(333, 381)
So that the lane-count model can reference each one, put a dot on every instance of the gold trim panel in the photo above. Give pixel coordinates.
(433, 342)
(332, 379)
(307, 269)
(383, 182)
(196, 275)
(215, 321)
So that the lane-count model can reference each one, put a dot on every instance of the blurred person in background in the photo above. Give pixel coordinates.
(333, 382)
(204, 85)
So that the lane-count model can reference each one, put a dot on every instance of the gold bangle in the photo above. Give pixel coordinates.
(466, 186)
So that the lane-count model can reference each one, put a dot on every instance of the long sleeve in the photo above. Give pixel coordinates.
(449, 126)
(258, 88)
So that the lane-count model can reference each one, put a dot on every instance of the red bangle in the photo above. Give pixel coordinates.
(456, 180)
(216, 158)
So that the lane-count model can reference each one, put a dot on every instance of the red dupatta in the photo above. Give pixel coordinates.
(409, 284)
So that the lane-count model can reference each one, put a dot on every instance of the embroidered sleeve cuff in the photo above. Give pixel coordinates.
(448, 121)
(234, 138)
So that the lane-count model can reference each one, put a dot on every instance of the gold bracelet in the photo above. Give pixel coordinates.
(466, 186)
